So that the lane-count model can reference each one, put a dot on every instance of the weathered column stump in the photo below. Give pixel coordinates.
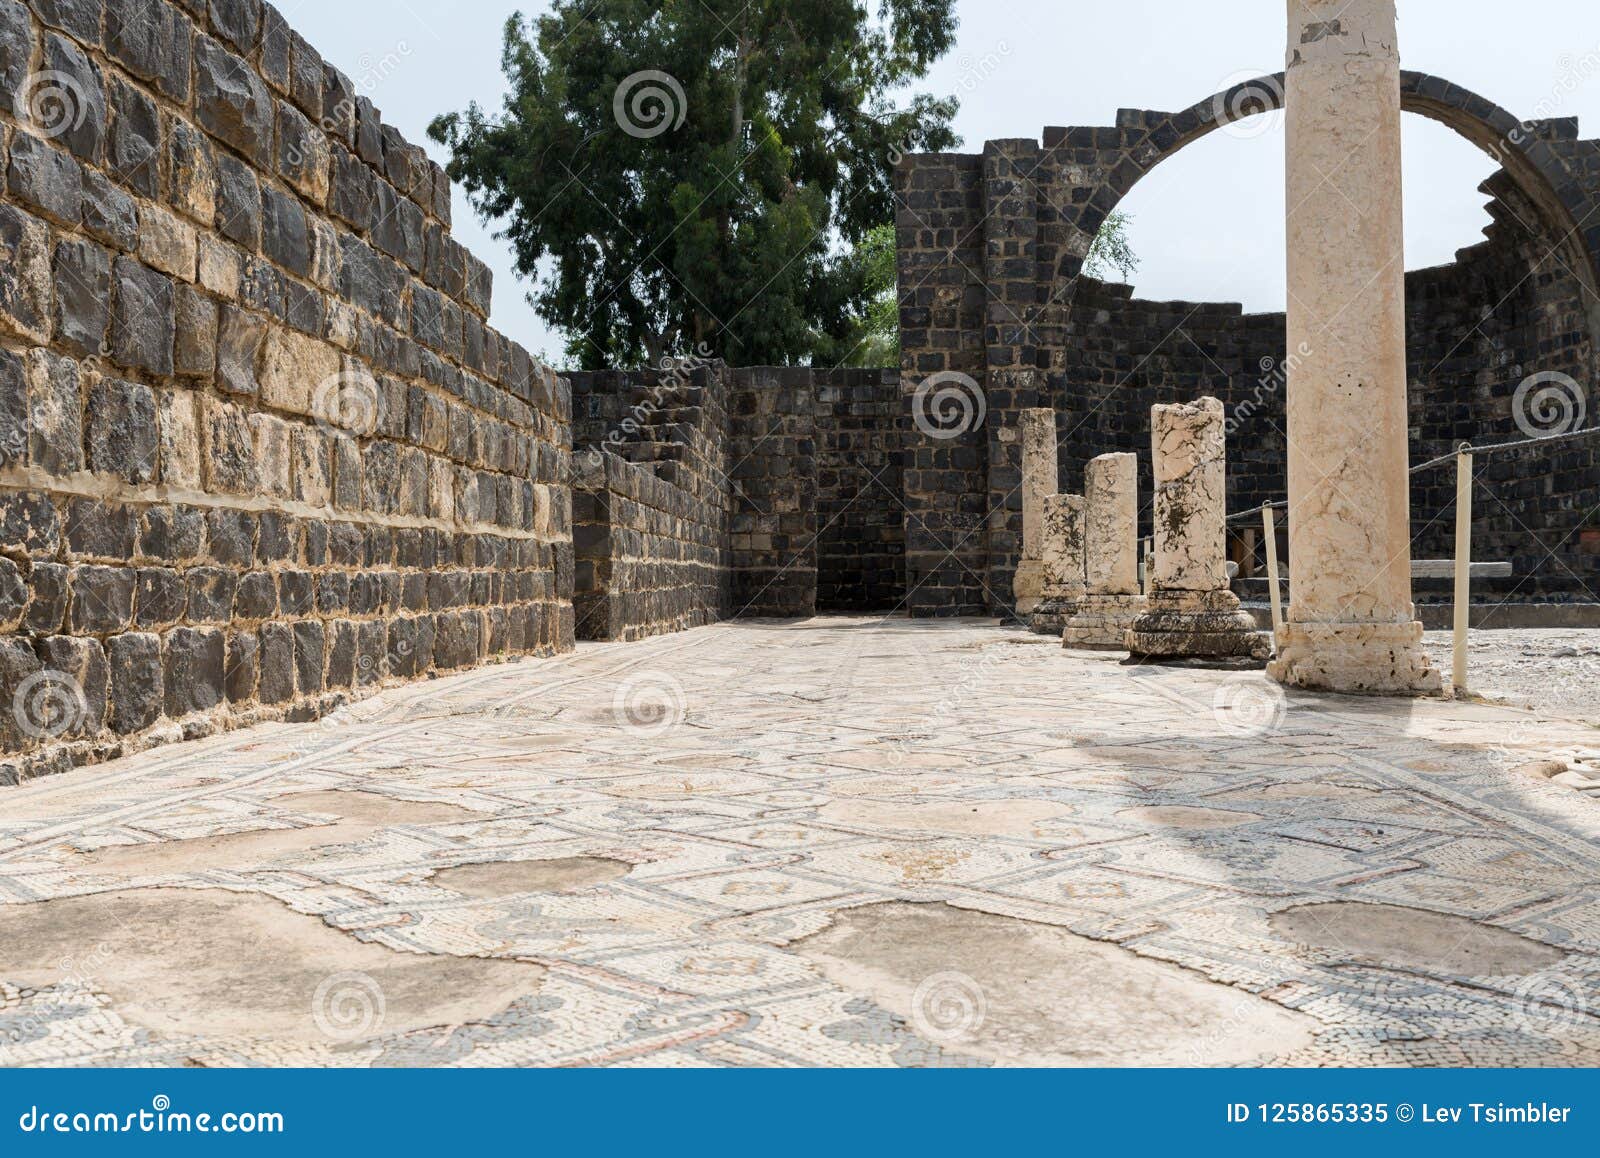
(1039, 482)
(1191, 613)
(1112, 600)
(1062, 552)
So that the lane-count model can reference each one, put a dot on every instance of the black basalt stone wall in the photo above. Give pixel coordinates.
(260, 451)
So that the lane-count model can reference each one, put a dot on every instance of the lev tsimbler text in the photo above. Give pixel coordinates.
(1380, 1113)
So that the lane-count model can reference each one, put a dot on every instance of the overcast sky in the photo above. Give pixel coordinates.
(1207, 224)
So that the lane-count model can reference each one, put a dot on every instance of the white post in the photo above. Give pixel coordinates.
(1270, 526)
(1463, 562)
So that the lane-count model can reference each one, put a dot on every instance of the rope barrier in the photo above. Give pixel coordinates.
(1464, 448)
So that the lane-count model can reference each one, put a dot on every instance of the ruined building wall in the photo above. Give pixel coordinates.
(991, 249)
(261, 451)
(650, 558)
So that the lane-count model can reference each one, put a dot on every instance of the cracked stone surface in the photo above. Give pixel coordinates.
(838, 837)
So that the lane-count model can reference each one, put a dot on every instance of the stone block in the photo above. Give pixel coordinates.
(20, 674)
(270, 437)
(136, 693)
(191, 173)
(151, 39)
(311, 466)
(244, 665)
(210, 594)
(47, 599)
(101, 600)
(195, 342)
(142, 318)
(293, 368)
(109, 214)
(45, 179)
(25, 281)
(133, 154)
(68, 102)
(82, 296)
(159, 597)
(238, 202)
(227, 451)
(167, 242)
(309, 659)
(276, 663)
(232, 102)
(304, 155)
(194, 660)
(120, 431)
(55, 435)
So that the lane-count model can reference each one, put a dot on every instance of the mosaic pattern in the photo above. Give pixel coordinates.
(756, 777)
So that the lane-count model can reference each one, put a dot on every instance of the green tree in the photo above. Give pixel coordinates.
(682, 175)
(872, 336)
(1111, 250)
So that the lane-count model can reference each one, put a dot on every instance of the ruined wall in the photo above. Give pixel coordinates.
(650, 558)
(991, 248)
(261, 450)
(860, 434)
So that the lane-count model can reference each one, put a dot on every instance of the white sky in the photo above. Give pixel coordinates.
(1208, 224)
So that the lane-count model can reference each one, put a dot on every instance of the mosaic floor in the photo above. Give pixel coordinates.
(839, 842)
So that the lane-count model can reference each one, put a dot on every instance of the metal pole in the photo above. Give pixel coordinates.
(1269, 525)
(1463, 563)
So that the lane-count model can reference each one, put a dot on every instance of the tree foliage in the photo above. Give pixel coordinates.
(1111, 250)
(687, 174)
(872, 337)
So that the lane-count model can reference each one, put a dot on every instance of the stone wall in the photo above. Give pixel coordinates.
(650, 557)
(261, 451)
(991, 248)
(860, 436)
(805, 463)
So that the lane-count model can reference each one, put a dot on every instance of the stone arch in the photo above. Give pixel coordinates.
(1533, 153)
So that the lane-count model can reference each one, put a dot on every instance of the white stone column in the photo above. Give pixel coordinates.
(1110, 555)
(1191, 610)
(1351, 624)
(1062, 556)
(1039, 482)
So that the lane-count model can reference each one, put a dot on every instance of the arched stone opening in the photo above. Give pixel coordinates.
(991, 256)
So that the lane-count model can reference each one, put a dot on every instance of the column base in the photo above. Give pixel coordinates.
(1364, 659)
(1197, 625)
(1028, 586)
(1101, 622)
(1050, 617)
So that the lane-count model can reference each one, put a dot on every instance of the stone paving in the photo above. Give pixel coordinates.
(833, 842)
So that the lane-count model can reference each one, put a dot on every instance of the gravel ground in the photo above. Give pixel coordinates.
(1553, 671)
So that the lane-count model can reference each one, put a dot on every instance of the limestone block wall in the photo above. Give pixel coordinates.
(260, 450)
(650, 556)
